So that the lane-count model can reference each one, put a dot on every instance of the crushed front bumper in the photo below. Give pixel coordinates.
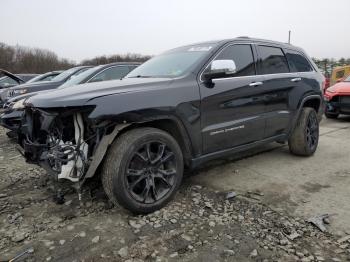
(341, 106)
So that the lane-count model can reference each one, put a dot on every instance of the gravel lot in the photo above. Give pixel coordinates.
(263, 221)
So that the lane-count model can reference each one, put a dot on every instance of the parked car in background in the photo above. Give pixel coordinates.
(13, 109)
(327, 83)
(46, 85)
(38, 78)
(101, 73)
(45, 77)
(9, 80)
(337, 99)
(339, 73)
(179, 109)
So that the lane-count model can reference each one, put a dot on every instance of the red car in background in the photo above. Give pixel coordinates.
(337, 98)
(327, 83)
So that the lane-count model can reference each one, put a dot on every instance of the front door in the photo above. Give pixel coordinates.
(232, 107)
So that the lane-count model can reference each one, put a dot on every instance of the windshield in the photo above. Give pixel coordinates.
(7, 81)
(64, 75)
(79, 78)
(173, 63)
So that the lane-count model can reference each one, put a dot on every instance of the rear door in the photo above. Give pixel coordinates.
(278, 83)
(309, 78)
(232, 107)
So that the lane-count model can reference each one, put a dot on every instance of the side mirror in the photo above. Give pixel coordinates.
(220, 69)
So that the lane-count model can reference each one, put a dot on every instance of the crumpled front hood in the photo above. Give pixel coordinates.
(80, 95)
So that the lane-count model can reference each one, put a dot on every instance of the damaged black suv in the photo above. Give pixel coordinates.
(179, 109)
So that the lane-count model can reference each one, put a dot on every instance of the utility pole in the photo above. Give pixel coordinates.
(289, 32)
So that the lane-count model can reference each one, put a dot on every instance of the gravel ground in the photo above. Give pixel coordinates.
(199, 225)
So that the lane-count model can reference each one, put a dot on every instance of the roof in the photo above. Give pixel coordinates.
(119, 63)
(246, 38)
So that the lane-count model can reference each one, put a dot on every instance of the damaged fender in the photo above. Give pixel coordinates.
(102, 149)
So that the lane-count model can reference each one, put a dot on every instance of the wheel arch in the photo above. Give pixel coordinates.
(174, 127)
(313, 101)
(168, 124)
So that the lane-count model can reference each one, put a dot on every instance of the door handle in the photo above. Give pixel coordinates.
(256, 84)
(297, 79)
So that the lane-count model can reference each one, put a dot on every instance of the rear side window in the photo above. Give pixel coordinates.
(242, 56)
(112, 73)
(132, 67)
(48, 78)
(297, 62)
(272, 60)
(340, 74)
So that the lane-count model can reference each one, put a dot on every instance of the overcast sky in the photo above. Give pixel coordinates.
(78, 29)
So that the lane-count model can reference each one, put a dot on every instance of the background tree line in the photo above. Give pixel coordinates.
(326, 65)
(20, 59)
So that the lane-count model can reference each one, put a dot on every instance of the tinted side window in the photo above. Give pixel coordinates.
(80, 71)
(132, 67)
(340, 74)
(7, 81)
(272, 60)
(48, 78)
(242, 55)
(112, 73)
(297, 62)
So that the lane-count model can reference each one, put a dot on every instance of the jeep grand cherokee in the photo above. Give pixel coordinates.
(179, 109)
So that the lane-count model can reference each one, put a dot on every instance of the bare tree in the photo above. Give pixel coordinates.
(116, 58)
(19, 59)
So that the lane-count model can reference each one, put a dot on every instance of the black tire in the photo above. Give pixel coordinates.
(331, 115)
(130, 160)
(304, 138)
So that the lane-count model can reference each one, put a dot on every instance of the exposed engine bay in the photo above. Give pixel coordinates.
(69, 158)
(65, 142)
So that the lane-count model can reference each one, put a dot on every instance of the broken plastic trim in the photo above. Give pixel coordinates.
(102, 149)
(74, 169)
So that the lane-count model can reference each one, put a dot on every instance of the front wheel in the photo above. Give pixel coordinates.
(143, 170)
(304, 138)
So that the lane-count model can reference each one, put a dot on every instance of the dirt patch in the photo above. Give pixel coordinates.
(199, 225)
(314, 187)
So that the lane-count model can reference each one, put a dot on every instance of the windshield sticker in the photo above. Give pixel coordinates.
(200, 49)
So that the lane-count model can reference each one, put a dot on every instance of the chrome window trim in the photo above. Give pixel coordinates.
(256, 75)
(237, 77)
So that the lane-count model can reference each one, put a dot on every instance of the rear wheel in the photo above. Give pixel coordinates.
(304, 138)
(143, 170)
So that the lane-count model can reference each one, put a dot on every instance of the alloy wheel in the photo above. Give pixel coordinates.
(312, 131)
(150, 173)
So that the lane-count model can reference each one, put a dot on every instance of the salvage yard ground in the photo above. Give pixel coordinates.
(276, 193)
